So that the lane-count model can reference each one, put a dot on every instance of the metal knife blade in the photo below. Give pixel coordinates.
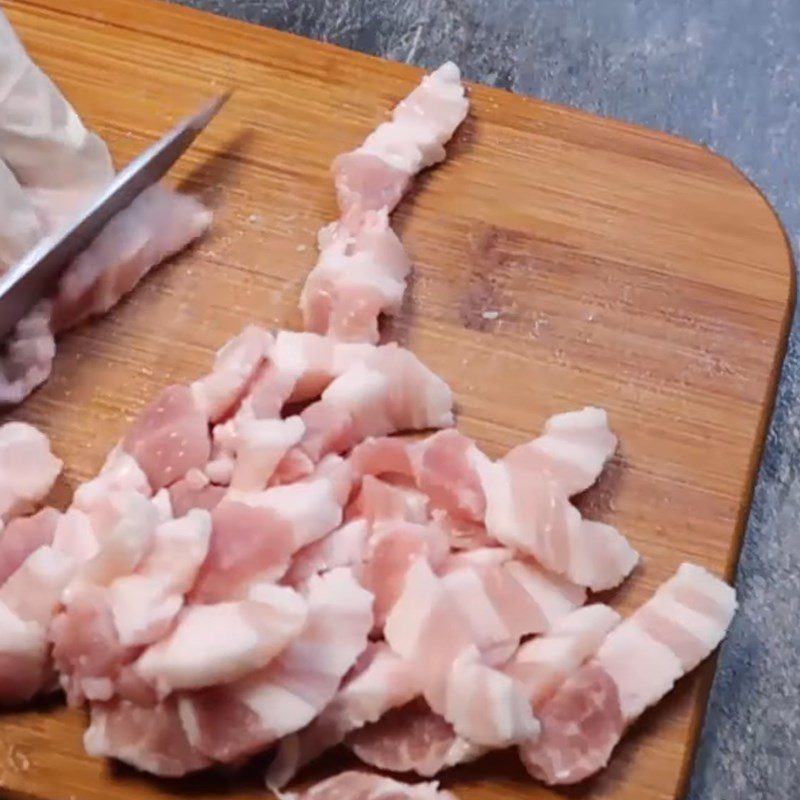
(37, 273)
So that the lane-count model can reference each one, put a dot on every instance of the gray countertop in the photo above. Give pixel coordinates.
(722, 72)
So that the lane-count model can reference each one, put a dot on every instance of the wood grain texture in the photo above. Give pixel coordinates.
(628, 269)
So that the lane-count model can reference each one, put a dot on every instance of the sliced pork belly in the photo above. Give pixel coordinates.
(169, 437)
(360, 274)
(145, 603)
(634, 667)
(444, 466)
(313, 361)
(120, 472)
(23, 536)
(486, 706)
(376, 175)
(426, 628)
(249, 545)
(391, 551)
(229, 722)
(379, 681)
(366, 786)
(150, 738)
(220, 643)
(344, 547)
(378, 500)
(313, 506)
(194, 491)
(391, 391)
(528, 508)
(505, 598)
(235, 367)
(573, 448)
(28, 468)
(86, 646)
(412, 739)
(531, 512)
(155, 226)
(545, 661)
(260, 446)
(28, 600)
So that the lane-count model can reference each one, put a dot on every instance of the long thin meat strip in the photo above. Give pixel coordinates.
(425, 628)
(155, 226)
(362, 267)
(366, 786)
(377, 174)
(379, 681)
(412, 739)
(634, 667)
(528, 506)
(28, 468)
(229, 722)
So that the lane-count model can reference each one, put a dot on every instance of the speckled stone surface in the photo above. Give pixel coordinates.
(722, 72)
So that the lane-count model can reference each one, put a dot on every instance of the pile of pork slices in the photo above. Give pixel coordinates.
(262, 564)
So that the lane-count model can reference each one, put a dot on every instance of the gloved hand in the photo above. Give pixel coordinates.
(50, 167)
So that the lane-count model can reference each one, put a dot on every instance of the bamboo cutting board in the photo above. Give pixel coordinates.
(561, 260)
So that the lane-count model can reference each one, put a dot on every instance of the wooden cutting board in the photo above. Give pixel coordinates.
(561, 260)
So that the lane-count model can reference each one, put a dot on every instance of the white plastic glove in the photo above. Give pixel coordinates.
(50, 167)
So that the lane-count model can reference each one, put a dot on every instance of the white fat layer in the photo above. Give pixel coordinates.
(357, 386)
(554, 596)
(17, 637)
(407, 619)
(643, 669)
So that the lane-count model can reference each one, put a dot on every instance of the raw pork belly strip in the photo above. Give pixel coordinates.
(634, 667)
(364, 786)
(528, 507)
(377, 174)
(378, 682)
(28, 470)
(51, 167)
(362, 268)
